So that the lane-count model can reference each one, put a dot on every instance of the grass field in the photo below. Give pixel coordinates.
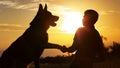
(105, 64)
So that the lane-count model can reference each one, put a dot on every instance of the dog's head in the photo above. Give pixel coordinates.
(44, 17)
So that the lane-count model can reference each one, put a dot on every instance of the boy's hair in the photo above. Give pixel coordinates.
(93, 15)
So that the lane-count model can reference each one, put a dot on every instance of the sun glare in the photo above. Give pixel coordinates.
(71, 22)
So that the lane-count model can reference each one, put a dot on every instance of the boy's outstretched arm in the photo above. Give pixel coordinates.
(73, 47)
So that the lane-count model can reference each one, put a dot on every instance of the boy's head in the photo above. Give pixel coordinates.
(90, 17)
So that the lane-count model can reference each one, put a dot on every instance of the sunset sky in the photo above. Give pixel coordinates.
(15, 16)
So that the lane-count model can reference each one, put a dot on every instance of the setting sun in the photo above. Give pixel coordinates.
(71, 21)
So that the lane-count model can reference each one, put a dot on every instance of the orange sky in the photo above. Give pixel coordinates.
(15, 16)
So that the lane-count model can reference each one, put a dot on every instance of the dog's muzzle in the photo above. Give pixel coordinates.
(53, 20)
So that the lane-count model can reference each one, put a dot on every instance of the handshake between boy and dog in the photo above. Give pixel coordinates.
(63, 49)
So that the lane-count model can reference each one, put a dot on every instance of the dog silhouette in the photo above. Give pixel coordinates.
(29, 46)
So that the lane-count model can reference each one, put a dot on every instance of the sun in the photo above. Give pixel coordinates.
(71, 22)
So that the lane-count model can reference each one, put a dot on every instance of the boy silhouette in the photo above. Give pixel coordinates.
(87, 42)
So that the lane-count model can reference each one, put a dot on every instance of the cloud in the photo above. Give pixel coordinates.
(60, 9)
(8, 3)
(30, 6)
(109, 12)
(22, 1)
(20, 4)
(11, 27)
(25, 4)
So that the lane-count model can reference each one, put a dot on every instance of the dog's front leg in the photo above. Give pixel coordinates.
(36, 62)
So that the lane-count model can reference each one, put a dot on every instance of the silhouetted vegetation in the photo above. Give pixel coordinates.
(115, 50)
(56, 59)
(114, 53)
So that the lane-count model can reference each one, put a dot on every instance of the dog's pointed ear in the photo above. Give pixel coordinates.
(40, 7)
(45, 9)
(40, 10)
